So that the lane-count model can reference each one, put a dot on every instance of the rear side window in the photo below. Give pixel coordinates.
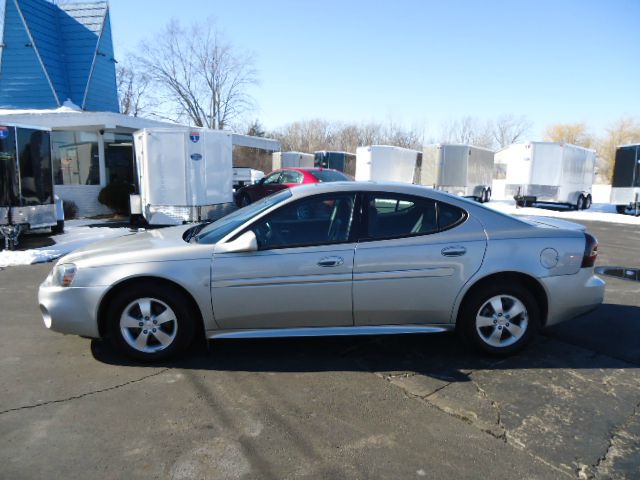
(390, 216)
(329, 176)
(449, 216)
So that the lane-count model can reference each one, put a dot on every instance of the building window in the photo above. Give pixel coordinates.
(75, 158)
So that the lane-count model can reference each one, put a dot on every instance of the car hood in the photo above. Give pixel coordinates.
(146, 246)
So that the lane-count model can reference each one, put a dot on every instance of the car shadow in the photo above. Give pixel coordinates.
(443, 356)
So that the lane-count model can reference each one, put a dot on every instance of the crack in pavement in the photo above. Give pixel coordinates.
(86, 394)
(613, 435)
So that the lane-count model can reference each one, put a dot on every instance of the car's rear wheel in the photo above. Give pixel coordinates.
(500, 319)
(150, 323)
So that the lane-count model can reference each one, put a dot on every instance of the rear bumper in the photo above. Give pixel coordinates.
(71, 310)
(572, 295)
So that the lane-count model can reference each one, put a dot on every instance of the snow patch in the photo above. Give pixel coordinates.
(78, 233)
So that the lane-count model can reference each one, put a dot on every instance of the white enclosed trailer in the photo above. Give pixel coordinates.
(462, 170)
(547, 172)
(387, 163)
(184, 174)
(292, 160)
(625, 186)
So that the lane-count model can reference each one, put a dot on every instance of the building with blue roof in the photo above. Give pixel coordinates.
(56, 53)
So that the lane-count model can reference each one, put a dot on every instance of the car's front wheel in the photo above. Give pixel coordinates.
(150, 323)
(501, 319)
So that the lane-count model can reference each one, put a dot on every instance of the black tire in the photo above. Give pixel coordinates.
(183, 323)
(488, 195)
(243, 200)
(520, 203)
(58, 228)
(476, 303)
(579, 203)
(621, 208)
(587, 203)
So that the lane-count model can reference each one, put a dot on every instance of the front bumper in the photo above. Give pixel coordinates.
(72, 310)
(572, 295)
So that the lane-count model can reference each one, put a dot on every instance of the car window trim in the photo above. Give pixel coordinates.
(399, 196)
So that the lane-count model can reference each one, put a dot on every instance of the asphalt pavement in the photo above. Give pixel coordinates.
(421, 406)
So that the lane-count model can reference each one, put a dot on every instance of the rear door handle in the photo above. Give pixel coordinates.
(454, 251)
(331, 262)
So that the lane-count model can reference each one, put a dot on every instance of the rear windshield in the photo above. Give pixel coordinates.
(329, 176)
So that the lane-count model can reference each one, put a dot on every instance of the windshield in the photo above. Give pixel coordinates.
(218, 229)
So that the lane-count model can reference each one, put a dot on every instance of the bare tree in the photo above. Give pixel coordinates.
(199, 74)
(318, 134)
(573, 133)
(255, 129)
(621, 132)
(133, 89)
(469, 131)
(508, 129)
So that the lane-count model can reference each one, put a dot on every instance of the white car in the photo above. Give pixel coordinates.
(342, 258)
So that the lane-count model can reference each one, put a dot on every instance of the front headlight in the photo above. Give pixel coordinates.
(63, 275)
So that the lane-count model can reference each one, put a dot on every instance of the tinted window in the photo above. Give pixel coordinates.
(75, 158)
(8, 168)
(317, 220)
(448, 215)
(291, 176)
(34, 149)
(329, 176)
(391, 216)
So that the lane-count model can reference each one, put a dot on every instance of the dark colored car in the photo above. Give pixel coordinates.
(286, 178)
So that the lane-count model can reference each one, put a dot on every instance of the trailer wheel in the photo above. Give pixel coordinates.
(587, 202)
(621, 208)
(579, 203)
(488, 195)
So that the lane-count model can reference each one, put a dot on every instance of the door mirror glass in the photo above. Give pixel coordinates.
(244, 243)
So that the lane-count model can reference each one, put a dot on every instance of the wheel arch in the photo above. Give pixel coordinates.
(124, 284)
(529, 282)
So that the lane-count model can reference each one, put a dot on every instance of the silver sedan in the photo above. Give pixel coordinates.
(329, 259)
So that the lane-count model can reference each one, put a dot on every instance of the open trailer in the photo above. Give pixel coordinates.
(547, 172)
(27, 199)
(463, 170)
(625, 186)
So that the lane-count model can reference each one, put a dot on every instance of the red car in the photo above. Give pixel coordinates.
(286, 178)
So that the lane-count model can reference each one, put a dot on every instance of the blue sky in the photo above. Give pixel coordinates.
(422, 63)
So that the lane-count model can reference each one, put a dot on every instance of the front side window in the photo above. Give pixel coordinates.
(319, 220)
(217, 230)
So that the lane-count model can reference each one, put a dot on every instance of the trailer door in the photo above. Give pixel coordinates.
(625, 170)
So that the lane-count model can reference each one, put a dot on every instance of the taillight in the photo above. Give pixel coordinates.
(590, 251)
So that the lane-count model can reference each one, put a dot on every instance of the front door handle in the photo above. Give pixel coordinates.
(456, 251)
(331, 262)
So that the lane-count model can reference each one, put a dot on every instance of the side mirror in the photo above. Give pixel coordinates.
(246, 242)
(261, 181)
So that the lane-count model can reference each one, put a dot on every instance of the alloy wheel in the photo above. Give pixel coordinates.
(501, 321)
(148, 325)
